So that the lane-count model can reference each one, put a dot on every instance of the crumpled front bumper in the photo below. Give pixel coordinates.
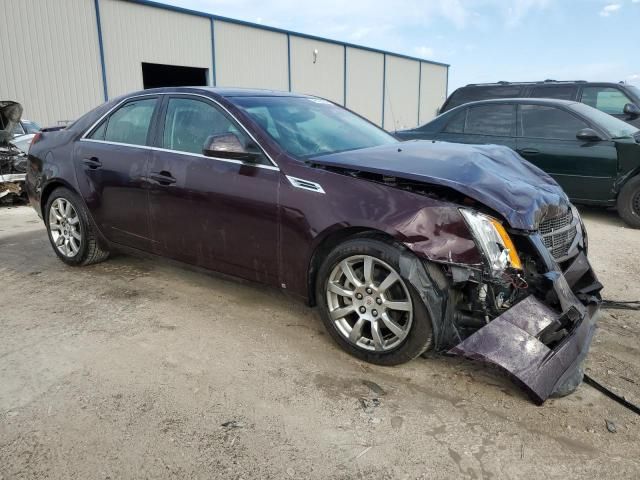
(517, 340)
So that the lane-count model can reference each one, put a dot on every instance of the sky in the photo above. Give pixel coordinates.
(482, 40)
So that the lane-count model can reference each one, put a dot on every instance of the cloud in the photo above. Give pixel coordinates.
(607, 10)
(424, 52)
(519, 9)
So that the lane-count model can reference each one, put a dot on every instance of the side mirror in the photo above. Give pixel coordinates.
(632, 110)
(588, 135)
(228, 145)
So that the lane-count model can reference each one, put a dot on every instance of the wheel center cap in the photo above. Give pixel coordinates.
(369, 301)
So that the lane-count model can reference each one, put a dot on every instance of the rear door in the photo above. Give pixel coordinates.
(216, 213)
(111, 163)
(484, 124)
(560, 92)
(547, 138)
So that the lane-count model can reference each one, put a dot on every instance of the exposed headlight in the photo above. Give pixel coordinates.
(493, 240)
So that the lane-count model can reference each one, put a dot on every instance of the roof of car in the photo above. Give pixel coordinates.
(227, 91)
(534, 101)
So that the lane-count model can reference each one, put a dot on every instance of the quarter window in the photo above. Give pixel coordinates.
(495, 120)
(607, 99)
(189, 123)
(549, 122)
(456, 124)
(129, 124)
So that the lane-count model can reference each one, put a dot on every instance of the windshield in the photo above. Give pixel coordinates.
(307, 127)
(614, 127)
(30, 127)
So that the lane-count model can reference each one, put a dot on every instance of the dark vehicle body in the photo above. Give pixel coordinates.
(617, 99)
(262, 213)
(593, 168)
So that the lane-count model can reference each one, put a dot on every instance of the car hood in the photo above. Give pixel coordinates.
(493, 175)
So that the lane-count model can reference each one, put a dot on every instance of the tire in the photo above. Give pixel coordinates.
(629, 202)
(63, 231)
(411, 333)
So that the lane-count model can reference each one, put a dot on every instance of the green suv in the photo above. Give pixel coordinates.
(618, 99)
(593, 156)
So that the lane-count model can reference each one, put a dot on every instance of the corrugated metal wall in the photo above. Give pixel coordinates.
(134, 33)
(321, 74)
(50, 58)
(250, 57)
(365, 71)
(433, 90)
(401, 93)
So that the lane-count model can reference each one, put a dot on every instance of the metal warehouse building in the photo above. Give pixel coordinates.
(63, 57)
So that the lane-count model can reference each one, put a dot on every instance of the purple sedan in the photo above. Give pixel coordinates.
(403, 247)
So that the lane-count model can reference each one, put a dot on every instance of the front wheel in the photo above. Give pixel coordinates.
(71, 233)
(629, 202)
(368, 307)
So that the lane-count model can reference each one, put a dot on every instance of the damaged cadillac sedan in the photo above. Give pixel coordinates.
(404, 247)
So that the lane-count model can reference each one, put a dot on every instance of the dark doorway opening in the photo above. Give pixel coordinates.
(155, 75)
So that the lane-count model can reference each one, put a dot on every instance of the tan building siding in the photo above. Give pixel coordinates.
(50, 58)
(250, 57)
(134, 33)
(433, 90)
(365, 70)
(401, 93)
(321, 74)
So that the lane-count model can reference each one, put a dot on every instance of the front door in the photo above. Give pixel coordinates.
(217, 213)
(111, 164)
(610, 100)
(547, 138)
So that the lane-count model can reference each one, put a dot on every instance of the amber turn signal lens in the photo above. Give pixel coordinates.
(506, 240)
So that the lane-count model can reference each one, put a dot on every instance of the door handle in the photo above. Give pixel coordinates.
(92, 162)
(528, 151)
(163, 177)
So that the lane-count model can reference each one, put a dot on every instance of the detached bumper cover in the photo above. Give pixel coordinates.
(516, 341)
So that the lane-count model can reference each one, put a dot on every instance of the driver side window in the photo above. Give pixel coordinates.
(189, 123)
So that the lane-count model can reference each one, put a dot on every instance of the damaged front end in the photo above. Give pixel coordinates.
(531, 310)
(13, 160)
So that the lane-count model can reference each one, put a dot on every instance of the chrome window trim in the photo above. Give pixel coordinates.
(179, 152)
(83, 138)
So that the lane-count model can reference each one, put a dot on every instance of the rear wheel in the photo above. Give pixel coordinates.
(629, 202)
(368, 307)
(71, 233)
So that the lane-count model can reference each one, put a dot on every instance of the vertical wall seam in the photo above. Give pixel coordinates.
(289, 59)
(419, 88)
(344, 102)
(384, 84)
(213, 53)
(101, 48)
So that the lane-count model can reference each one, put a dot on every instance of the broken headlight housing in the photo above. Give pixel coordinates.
(493, 240)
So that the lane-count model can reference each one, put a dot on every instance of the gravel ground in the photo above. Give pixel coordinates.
(140, 369)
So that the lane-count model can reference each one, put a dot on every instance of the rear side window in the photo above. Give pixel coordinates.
(472, 94)
(607, 99)
(538, 121)
(495, 120)
(561, 92)
(129, 124)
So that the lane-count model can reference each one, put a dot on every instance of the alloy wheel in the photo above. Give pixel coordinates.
(64, 225)
(369, 303)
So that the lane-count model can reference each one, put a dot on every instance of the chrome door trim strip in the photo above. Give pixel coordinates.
(145, 147)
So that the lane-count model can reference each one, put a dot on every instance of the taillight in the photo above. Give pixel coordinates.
(35, 138)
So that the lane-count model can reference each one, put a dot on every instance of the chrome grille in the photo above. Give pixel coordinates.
(558, 234)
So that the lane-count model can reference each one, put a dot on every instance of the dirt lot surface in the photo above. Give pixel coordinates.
(139, 369)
